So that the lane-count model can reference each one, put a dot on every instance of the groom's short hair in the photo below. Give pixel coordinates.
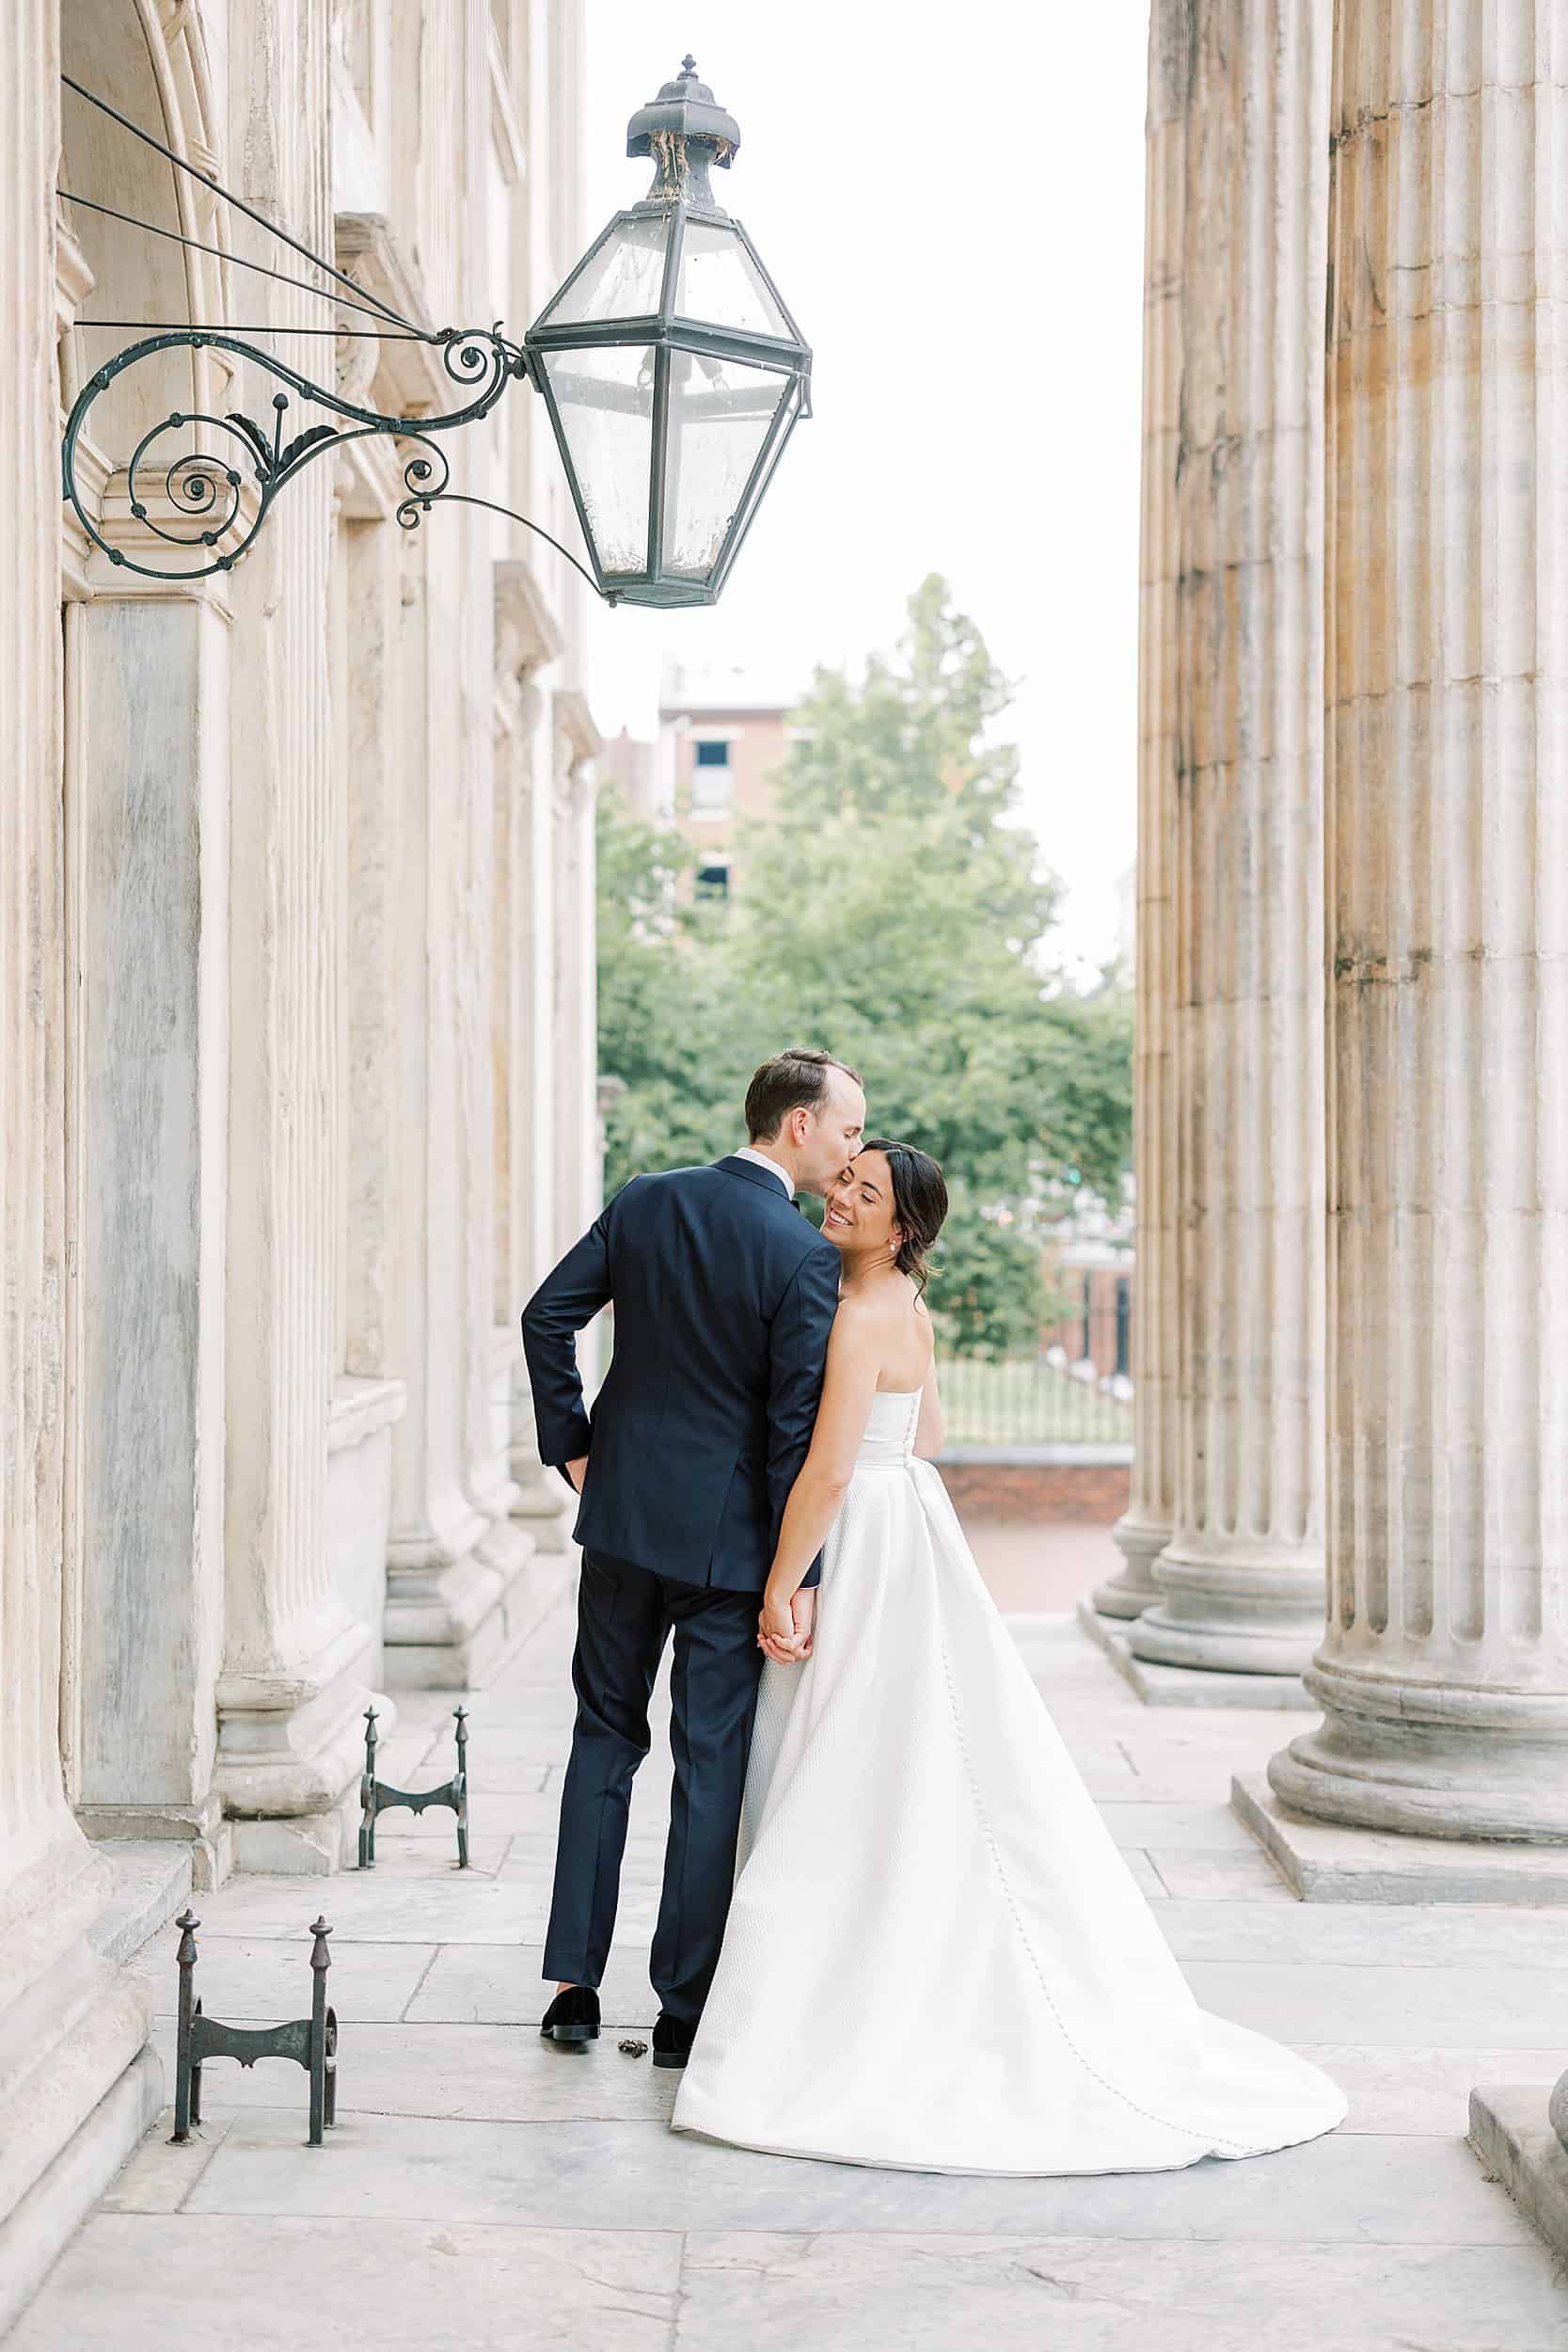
(796, 1078)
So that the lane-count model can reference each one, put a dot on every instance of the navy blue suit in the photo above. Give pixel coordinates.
(724, 1298)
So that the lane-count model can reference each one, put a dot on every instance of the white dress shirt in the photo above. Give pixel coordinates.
(761, 1160)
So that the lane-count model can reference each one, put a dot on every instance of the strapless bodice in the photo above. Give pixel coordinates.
(890, 1432)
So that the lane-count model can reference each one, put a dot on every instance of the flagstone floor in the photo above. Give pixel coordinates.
(485, 2192)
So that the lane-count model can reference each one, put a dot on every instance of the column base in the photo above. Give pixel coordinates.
(1326, 1863)
(1133, 1590)
(1511, 2133)
(291, 1749)
(449, 1627)
(545, 1506)
(1250, 1616)
(1429, 1760)
(1185, 1686)
(81, 2084)
(200, 1829)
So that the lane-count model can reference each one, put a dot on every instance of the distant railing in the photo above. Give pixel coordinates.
(1031, 1401)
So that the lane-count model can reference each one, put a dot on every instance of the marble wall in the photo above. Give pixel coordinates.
(288, 908)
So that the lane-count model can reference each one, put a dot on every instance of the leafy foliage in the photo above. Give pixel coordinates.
(894, 914)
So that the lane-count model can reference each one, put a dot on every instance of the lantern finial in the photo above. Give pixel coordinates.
(686, 130)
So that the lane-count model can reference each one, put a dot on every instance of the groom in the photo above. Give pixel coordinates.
(723, 1301)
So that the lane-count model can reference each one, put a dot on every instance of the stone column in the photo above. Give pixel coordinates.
(528, 640)
(578, 1157)
(1443, 1672)
(1241, 1580)
(77, 2086)
(1145, 1527)
(296, 1663)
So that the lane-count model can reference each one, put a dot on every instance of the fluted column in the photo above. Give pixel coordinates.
(72, 2025)
(1144, 1528)
(1241, 1580)
(1443, 1672)
(295, 1661)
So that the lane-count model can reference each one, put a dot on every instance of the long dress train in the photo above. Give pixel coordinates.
(936, 1956)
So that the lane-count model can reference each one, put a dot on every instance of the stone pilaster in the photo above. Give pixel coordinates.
(1145, 1527)
(77, 2086)
(296, 1661)
(528, 640)
(1241, 1580)
(1443, 1672)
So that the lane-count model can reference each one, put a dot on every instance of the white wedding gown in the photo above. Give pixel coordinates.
(936, 1956)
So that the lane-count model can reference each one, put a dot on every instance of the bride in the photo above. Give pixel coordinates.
(936, 1956)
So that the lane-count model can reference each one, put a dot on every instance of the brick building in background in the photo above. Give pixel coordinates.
(723, 736)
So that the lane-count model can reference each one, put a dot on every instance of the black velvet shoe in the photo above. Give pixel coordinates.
(672, 2039)
(573, 2016)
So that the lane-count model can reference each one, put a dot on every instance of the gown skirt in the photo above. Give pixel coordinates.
(936, 1956)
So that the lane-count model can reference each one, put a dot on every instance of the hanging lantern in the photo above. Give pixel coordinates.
(673, 372)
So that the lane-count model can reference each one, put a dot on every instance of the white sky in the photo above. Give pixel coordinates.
(951, 202)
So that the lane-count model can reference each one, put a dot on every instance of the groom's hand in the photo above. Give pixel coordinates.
(576, 1471)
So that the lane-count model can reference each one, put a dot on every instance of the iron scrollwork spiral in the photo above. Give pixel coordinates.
(202, 493)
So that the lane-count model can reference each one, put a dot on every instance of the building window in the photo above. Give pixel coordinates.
(710, 779)
(713, 881)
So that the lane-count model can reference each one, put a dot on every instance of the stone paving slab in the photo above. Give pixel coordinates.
(455, 2073)
(478, 1984)
(1220, 1874)
(1408, 2007)
(174, 2283)
(1422, 2091)
(1378, 1935)
(853, 2293)
(489, 2191)
(257, 1979)
(1188, 1826)
(420, 1898)
(1414, 2191)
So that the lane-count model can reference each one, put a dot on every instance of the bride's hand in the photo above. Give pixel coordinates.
(776, 1633)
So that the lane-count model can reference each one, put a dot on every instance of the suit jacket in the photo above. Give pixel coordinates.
(724, 1298)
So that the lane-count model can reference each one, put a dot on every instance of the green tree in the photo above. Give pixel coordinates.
(895, 913)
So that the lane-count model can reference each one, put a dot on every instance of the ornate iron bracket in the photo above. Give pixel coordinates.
(310, 2042)
(379, 1796)
(209, 488)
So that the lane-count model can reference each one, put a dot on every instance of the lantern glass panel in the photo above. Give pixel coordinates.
(605, 399)
(623, 279)
(719, 283)
(720, 416)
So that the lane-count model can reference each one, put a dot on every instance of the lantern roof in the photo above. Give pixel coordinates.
(685, 108)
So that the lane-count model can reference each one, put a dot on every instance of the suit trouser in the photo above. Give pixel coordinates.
(624, 1615)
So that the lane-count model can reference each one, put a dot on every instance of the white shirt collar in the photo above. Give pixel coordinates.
(760, 1159)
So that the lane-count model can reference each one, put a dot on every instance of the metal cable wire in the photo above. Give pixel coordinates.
(209, 181)
(237, 261)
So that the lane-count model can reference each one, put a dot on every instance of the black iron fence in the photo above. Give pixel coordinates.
(1036, 1400)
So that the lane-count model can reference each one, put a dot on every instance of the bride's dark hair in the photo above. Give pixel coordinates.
(919, 1202)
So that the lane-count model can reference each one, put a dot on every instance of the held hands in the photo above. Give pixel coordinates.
(784, 1628)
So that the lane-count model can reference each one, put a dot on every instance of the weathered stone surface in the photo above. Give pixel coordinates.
(888, 2293)
(1325, 1862)
(1241, 1581)
(1510, 2133)
(626, 2177)
(430, 2287)
(1145, 1526)
(1443, 1672)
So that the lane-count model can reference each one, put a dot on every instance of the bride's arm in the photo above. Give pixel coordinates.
(854, 1360)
